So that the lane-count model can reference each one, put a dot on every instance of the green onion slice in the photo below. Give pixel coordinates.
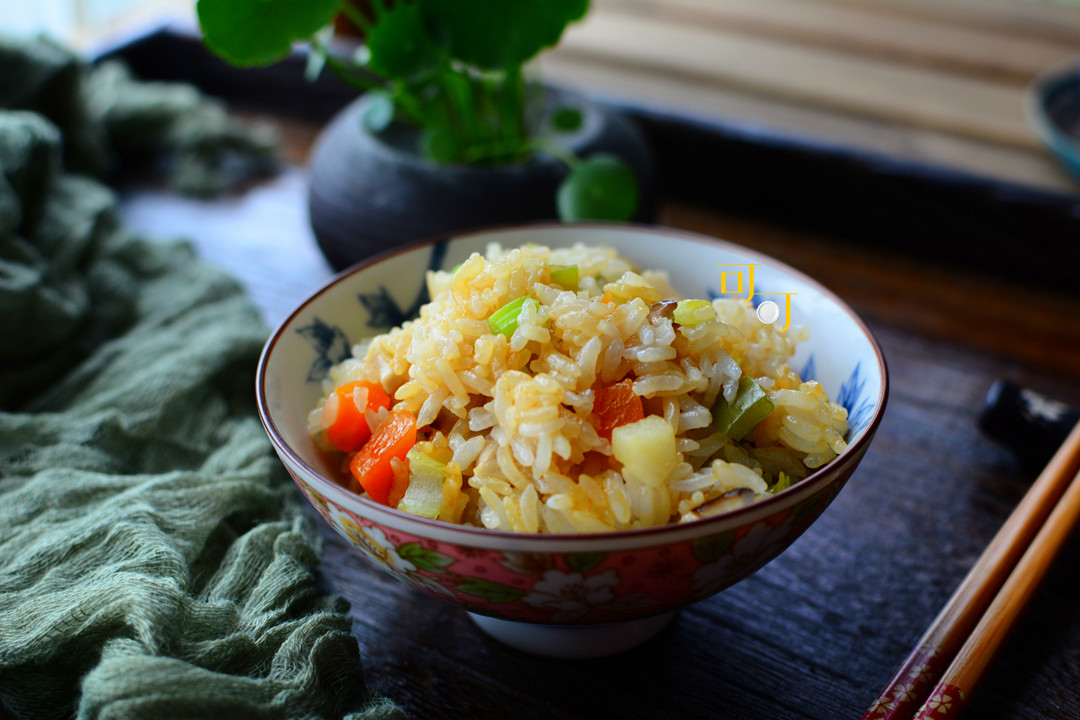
(504, 321)
(783, 483)
(751, 406)
(565, 275)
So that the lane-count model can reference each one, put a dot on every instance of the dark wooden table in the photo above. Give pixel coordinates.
(820, 630)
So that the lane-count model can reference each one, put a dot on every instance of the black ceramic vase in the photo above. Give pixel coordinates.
(372, 192)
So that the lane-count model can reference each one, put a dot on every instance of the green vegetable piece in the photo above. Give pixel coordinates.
(424, 494)
(260, 32)
(602, 187)
(565, 275)
(692, 312)
(566, 119)
(504, 321)
(497, 34)
(783, 483)
(738, 418)
(379, 112)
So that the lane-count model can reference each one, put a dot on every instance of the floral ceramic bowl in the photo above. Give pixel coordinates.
(568, 595)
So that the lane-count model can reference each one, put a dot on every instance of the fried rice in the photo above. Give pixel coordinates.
(510, 415)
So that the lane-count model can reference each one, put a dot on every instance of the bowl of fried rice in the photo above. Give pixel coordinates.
(527, 422)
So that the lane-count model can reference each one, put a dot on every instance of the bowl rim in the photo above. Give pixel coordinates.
(814, 482)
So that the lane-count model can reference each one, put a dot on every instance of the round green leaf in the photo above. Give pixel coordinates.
(440, 145)
(379, 111)
(566, 119)
(260, 32)
(400, 46)
(602, 187)
(498, 34)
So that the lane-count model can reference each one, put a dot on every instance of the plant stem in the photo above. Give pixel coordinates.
(410, 105)
(402, 98)
(554, 149)
(513, 105)
(346, 72)
(504, 148)
(474, 128)
(482, 94)
(457, 108)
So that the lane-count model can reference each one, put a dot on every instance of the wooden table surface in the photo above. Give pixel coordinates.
(819, 631)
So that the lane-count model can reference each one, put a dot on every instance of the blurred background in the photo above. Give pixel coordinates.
(930, 81)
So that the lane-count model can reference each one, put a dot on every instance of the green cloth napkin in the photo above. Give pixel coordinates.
(155, 559)
(107, 117)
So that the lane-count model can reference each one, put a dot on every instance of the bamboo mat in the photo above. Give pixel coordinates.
(937, 82)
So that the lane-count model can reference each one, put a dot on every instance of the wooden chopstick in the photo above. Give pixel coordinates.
(931, 661)
(953, 691)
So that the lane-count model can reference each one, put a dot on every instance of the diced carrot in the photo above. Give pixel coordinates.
(343, 414)
(371, 465)
(606, 298)
(616, 405)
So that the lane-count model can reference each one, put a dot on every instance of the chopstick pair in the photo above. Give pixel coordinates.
(940, 675)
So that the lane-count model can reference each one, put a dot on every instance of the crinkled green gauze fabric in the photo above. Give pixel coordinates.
(106, 116)
(155, 561)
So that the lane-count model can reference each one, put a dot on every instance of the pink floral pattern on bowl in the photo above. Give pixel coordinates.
(573, 588)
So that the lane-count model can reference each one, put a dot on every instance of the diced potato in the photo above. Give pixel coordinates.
(693, 312)
(646, 449)
(424, 494)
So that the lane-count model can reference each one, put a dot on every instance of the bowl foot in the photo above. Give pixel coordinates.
(572, 641)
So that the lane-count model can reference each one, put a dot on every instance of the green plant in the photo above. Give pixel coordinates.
(453, 68)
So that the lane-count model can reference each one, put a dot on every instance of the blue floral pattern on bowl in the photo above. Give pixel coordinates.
(331, 347)
(330, 342)
(855, 398)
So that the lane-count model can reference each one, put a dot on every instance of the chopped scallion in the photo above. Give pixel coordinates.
(565, 275)
(782, 484)
(751, 406)
(504, 321)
